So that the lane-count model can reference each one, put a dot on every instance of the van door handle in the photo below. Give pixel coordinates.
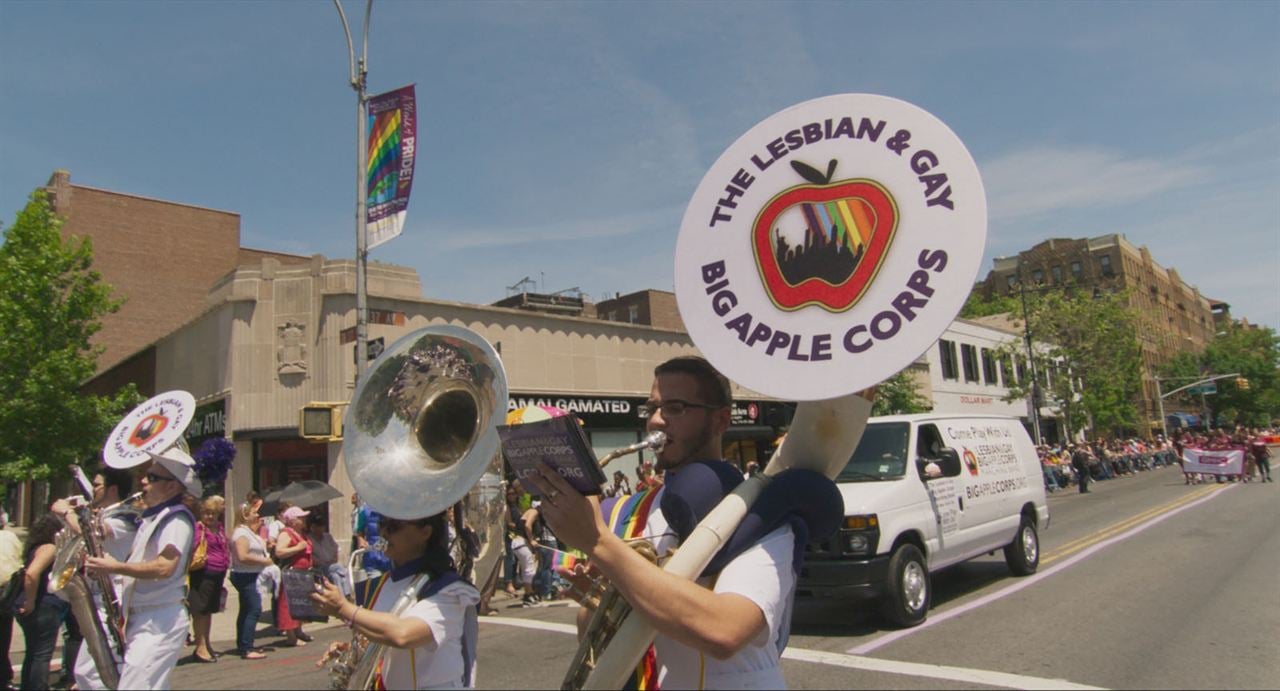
(961, 500)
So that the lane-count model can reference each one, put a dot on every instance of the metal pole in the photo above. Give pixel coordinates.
(1164, 425)
(362, 228)
(1031, 359)
(359, 79)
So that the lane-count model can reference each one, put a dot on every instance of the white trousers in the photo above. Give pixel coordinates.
(153, 643)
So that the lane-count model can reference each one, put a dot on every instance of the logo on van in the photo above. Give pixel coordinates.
(970, 461)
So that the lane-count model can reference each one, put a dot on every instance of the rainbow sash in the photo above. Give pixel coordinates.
(627, 518)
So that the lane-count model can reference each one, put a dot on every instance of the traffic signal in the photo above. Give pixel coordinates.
(321, 421)
(1242, 383)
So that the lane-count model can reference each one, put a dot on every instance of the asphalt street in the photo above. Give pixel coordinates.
(1144, 583)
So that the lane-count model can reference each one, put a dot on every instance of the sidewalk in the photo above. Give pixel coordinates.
(222, 631)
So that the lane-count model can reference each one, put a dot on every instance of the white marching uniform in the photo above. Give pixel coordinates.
(447, 662)
(117, 540)
(763, 575)
(157, 621)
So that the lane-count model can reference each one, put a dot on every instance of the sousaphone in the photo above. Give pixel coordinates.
(420, 434)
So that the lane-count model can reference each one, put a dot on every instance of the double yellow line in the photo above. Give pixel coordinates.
(1094, 538)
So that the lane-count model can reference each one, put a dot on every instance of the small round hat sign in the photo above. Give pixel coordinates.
(150, 428)
(830, 246)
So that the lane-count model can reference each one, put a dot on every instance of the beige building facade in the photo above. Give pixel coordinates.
(1172, 314)
(273, 338)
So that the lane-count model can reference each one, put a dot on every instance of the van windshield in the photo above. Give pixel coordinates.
(881, 454)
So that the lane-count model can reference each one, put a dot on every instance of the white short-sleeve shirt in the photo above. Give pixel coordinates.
(255, 545)
(763, 575)
(117, 540)
(176, 530)
(439, 664)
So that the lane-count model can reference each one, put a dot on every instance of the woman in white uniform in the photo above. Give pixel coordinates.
(431, 638)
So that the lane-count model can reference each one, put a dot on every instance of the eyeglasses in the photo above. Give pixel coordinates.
(390, 525)
(672, 408)
(152, 477)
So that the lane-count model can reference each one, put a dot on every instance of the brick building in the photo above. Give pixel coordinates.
(652, 307)
(160, 257)
(1172, 315)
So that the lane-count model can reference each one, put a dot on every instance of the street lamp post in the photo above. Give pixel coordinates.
(359, 79)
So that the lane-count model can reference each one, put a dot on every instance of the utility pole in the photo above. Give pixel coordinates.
(359, 80)
(1031, 358)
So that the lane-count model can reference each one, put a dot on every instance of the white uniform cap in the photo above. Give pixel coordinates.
(182, 466)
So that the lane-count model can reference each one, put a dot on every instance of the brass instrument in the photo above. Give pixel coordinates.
(654, 440)
(420, 436)
(104, 640)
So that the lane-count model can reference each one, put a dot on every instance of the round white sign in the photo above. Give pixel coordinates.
(830, 246)
(152, 427)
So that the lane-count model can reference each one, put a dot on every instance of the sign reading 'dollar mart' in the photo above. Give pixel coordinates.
(830, 246)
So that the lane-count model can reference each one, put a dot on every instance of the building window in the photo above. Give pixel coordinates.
(989, 374)
(613, 315)
(1022, 370)
(947, 353)
(633, 313)
(1057, 275)
(1006, 372)
(1011, 280)
(1104, 262)
(969, 357)
(1037, 276)
(1077, 271)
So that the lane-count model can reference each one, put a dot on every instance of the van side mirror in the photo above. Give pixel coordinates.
(948, 462)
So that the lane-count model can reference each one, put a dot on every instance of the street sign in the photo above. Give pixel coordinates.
(1206, 388)
(375, 347)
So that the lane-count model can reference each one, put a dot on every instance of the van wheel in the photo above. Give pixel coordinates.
(907, 601)
(1023, 554)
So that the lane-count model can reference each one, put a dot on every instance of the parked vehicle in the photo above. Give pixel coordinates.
(924, 492)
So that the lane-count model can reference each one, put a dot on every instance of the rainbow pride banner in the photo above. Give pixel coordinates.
(563, 562)
(393, 134)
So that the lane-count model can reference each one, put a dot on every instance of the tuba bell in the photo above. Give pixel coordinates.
(420, 436)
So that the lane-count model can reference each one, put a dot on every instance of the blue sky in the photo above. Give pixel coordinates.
(562, 141)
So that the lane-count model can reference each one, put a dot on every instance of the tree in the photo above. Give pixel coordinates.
(1087, 360)
(899, 395)
(1253, 352)
(978, 306)
(51, 306)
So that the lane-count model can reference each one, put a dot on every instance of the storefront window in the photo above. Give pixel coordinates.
(277, 462)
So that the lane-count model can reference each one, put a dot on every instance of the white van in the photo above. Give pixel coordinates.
(974, 485)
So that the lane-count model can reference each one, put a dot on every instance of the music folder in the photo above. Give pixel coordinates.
(561, 444)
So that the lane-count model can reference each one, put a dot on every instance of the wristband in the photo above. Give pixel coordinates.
(351, 623)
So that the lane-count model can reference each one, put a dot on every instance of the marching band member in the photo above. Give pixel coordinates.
(431, 643)
(118, 530)
(155, 572)
(723, 634)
